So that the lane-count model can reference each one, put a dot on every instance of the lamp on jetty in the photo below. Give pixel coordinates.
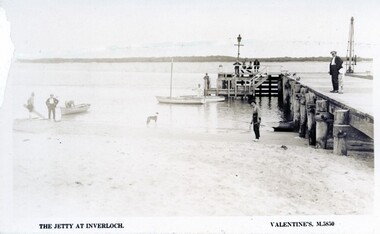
(238, 45)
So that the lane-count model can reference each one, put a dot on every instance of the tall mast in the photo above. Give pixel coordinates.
(350, 49)
(171, 78)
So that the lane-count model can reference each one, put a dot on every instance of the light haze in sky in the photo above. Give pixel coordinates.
(151, 28)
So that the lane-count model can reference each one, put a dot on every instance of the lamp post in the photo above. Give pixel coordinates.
(238, 45)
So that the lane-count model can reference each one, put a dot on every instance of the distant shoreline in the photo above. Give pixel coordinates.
(178, 59)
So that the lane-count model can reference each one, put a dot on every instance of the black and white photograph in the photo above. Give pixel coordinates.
(201, 116)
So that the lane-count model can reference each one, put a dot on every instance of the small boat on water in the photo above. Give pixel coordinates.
(207, 98)
(181, 100)
(282, 126)
(215, 98)
(79, 108)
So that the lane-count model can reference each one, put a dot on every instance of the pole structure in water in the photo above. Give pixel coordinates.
(171, 78)
(350, 49)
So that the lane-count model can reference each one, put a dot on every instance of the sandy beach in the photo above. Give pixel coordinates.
(69, 169)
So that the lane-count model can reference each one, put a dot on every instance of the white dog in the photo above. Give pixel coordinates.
(152, 118)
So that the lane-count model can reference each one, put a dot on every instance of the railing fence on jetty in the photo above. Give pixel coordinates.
(246, 83)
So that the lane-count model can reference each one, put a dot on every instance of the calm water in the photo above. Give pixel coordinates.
(125, 93)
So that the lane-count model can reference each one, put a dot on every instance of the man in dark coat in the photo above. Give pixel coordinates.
(51, 103)
(335, 65)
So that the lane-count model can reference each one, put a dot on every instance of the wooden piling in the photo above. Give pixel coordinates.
(296, 106)
(321, 117)
(310, 110)
(235, 87)
(291, 99)
(286, 91)
(280, 89)
(228, 87)
(340, 131)
(303, 113)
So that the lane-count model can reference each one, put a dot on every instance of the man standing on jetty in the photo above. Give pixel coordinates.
(335, 66)
(51, 103)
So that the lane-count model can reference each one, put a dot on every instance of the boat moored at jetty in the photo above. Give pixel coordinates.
(181, 100)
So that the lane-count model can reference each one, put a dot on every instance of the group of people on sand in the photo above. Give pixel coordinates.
(51, 104)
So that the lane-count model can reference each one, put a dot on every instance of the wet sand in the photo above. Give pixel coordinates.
(68, 169)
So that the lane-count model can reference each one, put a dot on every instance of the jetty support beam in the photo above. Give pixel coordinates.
(310, 110)
(303, 113)
(322, 117)
(296, 106)
(340, 131)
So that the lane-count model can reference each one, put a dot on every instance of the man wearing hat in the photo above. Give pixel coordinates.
(335, 66)
(51, 103)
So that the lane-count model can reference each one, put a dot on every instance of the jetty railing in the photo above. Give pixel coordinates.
(247, 83)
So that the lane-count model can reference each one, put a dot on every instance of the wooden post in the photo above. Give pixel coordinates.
(269, 85)
(286, 98)
(310, 110)
(235, 87)
(296, 106)
(228, 87)
(217, 85)
(285, 91)
(321, 117)
(340, 130)
(303, 113)
(205, 90)
(291, 99)
(253, 85)
(280, 89)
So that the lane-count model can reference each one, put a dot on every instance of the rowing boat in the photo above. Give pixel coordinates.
(75, 109)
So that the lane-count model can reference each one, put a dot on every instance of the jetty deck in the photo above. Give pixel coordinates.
(357, 92)
(346, 117)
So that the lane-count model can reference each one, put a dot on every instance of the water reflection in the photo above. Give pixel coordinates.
(230, 115)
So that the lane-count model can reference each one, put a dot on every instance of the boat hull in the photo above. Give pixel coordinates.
(215, 99)
(283, 126)
(180, 100)
(75, 109)
(207, 98)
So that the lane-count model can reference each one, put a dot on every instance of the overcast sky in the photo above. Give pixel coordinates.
(131, 28)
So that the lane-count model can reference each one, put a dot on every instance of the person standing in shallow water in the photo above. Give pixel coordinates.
(30, 105)
(256, 120)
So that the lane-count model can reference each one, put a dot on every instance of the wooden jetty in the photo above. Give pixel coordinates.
(247, 83)
(343, 120)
